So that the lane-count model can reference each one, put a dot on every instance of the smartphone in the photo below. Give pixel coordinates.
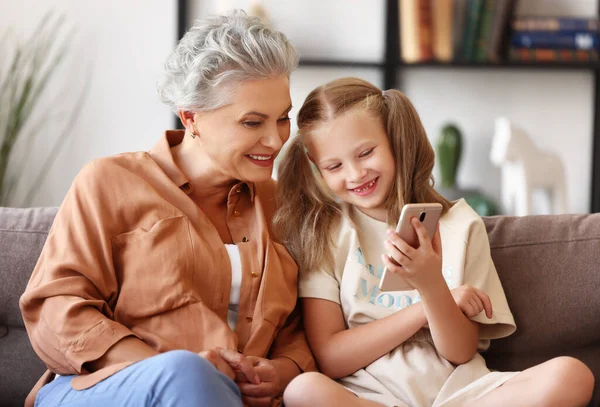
(429, 214)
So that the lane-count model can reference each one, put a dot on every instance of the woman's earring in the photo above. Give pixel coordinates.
(193, 135)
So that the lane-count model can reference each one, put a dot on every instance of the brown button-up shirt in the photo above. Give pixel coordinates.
(130, 253)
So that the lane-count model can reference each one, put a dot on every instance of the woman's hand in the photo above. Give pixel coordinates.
(263, 393)
(231, 363)
(421, 267)
(471, 301)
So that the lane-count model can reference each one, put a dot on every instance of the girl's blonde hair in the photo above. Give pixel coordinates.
(306, 208)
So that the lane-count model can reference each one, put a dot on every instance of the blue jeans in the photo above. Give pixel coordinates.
(177, 378)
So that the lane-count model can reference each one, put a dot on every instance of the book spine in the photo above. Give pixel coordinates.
(409, 46)
(441, 13)
(564, 24)
(472, 28)
(500, 29)
(553, 55)
(424, 26)
(458, 29)
(485, 31)
(542, 39)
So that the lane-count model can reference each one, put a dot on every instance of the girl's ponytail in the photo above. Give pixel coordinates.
(413, 154)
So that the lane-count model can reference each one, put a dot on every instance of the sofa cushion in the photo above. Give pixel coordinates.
(21, 368)
(549, 267)
(22, 236)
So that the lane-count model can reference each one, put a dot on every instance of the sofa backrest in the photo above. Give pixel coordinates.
(22, 235)
(549, 267)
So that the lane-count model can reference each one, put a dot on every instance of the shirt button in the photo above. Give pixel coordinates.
(248, 319)
(236, 213)
(254, 274)
(244, 239)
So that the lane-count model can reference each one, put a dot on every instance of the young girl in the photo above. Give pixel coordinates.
(412, 348)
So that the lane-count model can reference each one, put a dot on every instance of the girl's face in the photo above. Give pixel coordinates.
(243, 138)
(354, 158)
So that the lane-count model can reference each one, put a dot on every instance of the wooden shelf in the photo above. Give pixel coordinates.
(533, 65)
(340, 64)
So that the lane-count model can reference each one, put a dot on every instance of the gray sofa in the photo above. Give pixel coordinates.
(549, 267)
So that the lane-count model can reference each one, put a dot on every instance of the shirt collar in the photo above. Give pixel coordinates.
(161, 153)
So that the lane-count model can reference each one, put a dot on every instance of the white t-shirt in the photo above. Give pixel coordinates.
(236, 282)
(414, 373)
(354, 281)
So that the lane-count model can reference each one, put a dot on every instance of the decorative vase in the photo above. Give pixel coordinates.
(449, 150)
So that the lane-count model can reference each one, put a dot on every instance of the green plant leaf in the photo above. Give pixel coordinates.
(23, 81)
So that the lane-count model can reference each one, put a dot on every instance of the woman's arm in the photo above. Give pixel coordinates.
(129, 348)
(66, 304)
(340, 351)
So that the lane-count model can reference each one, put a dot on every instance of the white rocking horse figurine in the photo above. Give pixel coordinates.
(525, 168)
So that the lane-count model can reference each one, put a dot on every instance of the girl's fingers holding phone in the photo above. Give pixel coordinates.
(400, 243)
(392, 265)
(394, 254)
(421, 232)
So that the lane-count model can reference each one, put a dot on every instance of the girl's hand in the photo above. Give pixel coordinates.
(472, 301)
(263, 393)
(421, 267)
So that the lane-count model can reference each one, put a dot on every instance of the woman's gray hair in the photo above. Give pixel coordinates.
(218, 53)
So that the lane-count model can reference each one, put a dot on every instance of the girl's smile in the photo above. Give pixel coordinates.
(367, 188)
(353, 155)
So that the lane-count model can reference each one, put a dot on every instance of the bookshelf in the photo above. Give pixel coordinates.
(392, 68)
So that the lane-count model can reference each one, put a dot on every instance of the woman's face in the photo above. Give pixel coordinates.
(354, 158)
(243, 138)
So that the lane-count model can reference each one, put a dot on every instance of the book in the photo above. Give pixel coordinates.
(441, 18)
(500, 26)
(564, 24)
(474, 8)
(485, 31)
(409, 45)
(458, 29)
(558, 55)
(424, 30)
(415, 30)
(559, 40)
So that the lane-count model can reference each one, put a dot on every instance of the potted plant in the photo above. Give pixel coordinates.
(24, 77)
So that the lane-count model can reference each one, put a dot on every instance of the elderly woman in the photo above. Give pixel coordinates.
(160, 283)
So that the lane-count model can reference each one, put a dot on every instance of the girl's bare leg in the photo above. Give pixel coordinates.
(559, 382)
(315, 389)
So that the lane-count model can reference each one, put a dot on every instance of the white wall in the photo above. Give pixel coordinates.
(124, 44)
(554, 107)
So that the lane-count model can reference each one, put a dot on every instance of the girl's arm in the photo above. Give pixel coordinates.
(340, 351)
(455, 337)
